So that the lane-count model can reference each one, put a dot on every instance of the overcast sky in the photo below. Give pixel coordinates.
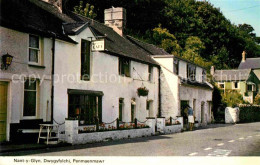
(240, 11)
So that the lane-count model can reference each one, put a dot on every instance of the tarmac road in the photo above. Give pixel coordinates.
(228, 140)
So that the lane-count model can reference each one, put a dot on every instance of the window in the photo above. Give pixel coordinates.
(191, 72)
(34, 49)
(150, 72)
(176, 66)
(86, 108)
(85, 60)
(221, 85)
(30, 98)
(121, 107)
(235, 85)
(251, 87)
(124, 67)
(204, 76)
(149, 108)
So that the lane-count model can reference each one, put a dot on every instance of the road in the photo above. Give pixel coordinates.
(229, 140)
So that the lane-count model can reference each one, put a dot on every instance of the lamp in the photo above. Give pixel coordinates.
(6, 60)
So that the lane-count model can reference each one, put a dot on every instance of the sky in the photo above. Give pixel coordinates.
(240, 11)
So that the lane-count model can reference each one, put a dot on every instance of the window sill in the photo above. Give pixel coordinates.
(36, 66)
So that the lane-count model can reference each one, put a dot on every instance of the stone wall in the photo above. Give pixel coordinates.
(73, 137)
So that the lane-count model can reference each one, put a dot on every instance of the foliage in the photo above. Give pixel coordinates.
(232, 98)
(223, 41)
(257, 99)
(87, 11)
(249, 113)
(142, 91)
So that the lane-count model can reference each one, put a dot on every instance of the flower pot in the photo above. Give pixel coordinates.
(142, 91)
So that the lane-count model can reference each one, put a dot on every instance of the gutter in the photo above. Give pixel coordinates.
(159, 93)
(52, 73)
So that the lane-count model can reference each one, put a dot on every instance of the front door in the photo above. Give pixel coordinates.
(3, 110)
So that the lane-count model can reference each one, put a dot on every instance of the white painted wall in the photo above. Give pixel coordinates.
(67, 62)
(16, 44)
(172, 92)
(201, 95)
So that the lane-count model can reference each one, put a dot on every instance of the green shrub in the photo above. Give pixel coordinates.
(257, 99)
(232, 98)
(249, 113)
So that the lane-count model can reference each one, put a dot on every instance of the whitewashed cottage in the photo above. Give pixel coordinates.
(89, 70)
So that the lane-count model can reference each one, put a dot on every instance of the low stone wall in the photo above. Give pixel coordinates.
(172, 129)
(73, 137)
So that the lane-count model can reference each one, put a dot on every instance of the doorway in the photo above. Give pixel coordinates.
(184, 104)
(3, 110)
(202, 112)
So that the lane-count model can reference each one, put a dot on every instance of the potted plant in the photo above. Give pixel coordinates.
(142, 91)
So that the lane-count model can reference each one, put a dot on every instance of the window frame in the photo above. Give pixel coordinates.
(234, 86)
(221, 83)
(150, 73)
(36, 99)
(86, 103)
(85, 63)
(121, 65)
(189, 77)
(176, 66)
(37, 49)
(120, 110)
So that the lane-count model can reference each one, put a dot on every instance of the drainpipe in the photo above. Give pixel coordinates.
(159, 93)
(52, 73)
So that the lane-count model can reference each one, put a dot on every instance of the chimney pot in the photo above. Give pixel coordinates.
(57, 3)
(116, 19)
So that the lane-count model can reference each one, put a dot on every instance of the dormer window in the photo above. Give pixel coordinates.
(176, 66)
(191, 72)
(34, 49)
(204, 76)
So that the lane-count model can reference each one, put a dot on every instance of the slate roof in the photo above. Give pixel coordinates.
(150, 48)
(114, 43)
(196, 83)
(33, 16)
(36, 16)
(250, 63)
(232, 75)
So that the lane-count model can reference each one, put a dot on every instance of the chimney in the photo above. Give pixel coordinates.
(212, 70)
(116, 19)
(244, 56)
(57, 3)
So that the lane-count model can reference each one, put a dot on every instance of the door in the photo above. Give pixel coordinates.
(202, 112)
(3, 110)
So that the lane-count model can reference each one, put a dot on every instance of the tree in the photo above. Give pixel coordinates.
(88, 11)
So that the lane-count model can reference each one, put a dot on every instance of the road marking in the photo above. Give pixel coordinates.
(192, 154)
(241, 138)
(220, 144)
(206, 149)
(231, 141)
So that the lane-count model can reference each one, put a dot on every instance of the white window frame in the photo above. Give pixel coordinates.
(233, 85)
(37, 100)
(220, 83)
(38, 50)
(150, 75)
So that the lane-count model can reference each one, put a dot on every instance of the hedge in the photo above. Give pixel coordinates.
(249, 113)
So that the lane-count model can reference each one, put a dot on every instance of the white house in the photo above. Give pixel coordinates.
(182, 82)
(89, 70)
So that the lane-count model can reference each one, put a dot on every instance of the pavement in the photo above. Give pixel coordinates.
(212, 140)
